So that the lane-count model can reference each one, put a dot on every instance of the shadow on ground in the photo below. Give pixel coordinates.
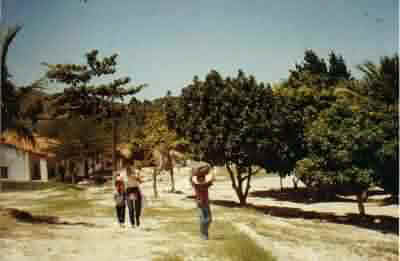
(304, 195)
(385, 224)
(25, 216)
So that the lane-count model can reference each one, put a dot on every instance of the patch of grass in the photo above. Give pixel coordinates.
(72, 207)
(170, 212)
(315, 234)
(244, 248)
(182, 227)
(386, 247)
(281, 233)
(73, 201)
(235, 245)
(169, 257)
(13, 186)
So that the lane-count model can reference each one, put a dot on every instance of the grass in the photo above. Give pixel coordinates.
(244, 248)
(169, 257)
(13, 186)
(170, 212)
(316, 234)
(179, 221)
(234, 245)
(71, 201)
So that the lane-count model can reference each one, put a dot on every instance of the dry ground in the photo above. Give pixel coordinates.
(284, 223)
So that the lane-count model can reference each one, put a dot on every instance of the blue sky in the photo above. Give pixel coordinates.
(164, 43)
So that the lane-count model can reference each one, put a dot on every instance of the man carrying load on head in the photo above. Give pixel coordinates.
(201, 179)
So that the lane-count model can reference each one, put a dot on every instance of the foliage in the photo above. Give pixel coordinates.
(239, 123)
(82, 100)
(12, 116)
(351, 133)
(315, 73)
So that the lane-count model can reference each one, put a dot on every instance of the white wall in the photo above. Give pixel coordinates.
(44, 174)
(16, 161)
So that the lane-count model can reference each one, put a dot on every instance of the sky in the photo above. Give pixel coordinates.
(165, 43)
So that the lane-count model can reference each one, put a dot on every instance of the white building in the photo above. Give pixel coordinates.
(22, 161)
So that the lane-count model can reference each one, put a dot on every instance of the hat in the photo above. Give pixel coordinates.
(202, 169)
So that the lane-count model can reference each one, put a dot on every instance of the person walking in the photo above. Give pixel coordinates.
(201, 180)
(134, 198)
(120, 200)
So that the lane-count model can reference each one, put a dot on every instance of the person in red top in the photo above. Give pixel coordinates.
(120, 198)
(201, 180)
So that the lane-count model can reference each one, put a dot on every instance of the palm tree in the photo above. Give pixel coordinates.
(8, 109)
(382, 80)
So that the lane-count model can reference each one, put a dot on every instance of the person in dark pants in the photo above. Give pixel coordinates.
(134, 205)
(120, 199)
(134, 199)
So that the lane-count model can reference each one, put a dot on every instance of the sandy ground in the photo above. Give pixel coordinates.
(283, 227)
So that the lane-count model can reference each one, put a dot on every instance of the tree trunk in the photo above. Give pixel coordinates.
(93, 164)
(237, 184)
(72, 172)
(86, 168)
(171, 173)
(114, 144)
(361, 197)
(61, 170)
(242, 198)
(155, 172)
(295, 183)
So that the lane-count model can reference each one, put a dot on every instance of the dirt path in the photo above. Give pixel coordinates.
(169, 226)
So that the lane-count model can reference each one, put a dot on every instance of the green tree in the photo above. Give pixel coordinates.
(352, 144)
(381, 85)
(78, 140)
(84, 100)
(239, 123)
(337, 69)
(381, 81)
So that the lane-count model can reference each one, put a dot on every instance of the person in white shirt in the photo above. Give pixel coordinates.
(134, 197)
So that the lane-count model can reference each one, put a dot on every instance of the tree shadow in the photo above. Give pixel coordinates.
(299, 195)
(384, 224)
(26, 217)
(226, 203)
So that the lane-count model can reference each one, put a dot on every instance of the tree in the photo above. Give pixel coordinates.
(78, 140)
(337, 69)
(380, 85)
(84, 100)
(160, 140)
(313, 72)
(352, 144)
(10, 95)
(7, 36)
(236, 122)
(382, 81)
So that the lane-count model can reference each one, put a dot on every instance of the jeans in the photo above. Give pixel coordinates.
(134, 206)
(121, 213)
(205, 220)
